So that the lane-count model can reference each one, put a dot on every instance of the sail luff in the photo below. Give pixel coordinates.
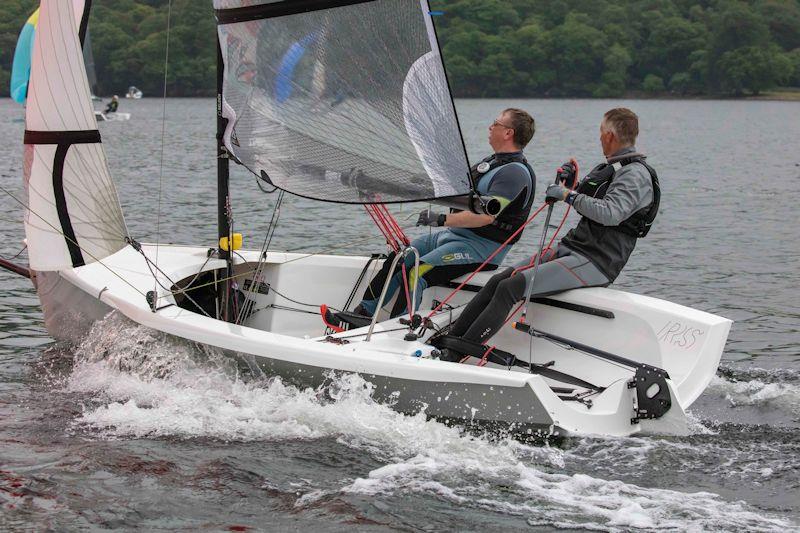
(436, 44)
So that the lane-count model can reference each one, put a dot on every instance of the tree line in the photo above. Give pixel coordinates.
(491, 48)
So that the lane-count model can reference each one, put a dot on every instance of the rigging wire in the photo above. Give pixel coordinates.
(270, 287)
(258, 274)
(25, 247)
(248, 272)
(150, 264)
(163, 135)
(59, 232)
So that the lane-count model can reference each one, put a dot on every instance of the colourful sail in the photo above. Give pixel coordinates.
(21, 68)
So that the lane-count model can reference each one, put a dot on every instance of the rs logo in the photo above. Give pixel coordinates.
(681, 335)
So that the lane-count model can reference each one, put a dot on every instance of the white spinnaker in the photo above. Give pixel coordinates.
(69, 186)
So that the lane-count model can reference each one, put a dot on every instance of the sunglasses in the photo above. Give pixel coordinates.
(498, 123)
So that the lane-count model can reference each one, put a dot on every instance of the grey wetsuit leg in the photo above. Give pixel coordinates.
(569, 270)
(487, 312)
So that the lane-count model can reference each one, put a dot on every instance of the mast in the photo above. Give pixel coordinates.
(223, 193)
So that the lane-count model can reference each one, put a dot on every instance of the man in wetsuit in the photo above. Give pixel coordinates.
(618, 201)
(113, 105)
(470, 238)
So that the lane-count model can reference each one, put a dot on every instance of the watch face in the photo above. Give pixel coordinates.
(484, 167)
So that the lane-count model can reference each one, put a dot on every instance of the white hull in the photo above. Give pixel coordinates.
(111, 117)
(291, 343)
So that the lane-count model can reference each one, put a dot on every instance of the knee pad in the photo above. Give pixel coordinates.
(417, 274)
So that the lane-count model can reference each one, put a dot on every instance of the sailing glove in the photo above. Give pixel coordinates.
(429, 218)
(567, 174)
(556, 193)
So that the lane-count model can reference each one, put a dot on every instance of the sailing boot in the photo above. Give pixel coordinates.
(343, 320)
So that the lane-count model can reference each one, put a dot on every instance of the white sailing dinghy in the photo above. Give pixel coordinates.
(344, 101)
(99, 116)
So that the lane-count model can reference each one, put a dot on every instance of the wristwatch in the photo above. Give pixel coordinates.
(571, 195)
(441, 219)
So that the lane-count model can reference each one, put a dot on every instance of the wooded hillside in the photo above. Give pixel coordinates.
(492, 48)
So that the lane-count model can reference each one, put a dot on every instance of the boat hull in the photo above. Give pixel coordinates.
(516, 409)
(69, 312)
(402, 372)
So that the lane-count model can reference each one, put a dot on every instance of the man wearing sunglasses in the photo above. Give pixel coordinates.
(469, 238)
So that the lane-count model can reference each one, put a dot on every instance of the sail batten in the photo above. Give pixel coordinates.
(340, 100)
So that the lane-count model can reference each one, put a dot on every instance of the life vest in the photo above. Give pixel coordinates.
(609, 247)
(596, 183)
(516, 213)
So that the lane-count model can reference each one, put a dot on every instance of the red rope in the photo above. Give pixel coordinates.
(375, 221)
(485, 358)
(397, 229)
(561, 225)
(519, 230)
(387, 225)
(408, 295)
(379, 221)
(552, 240)
(393, 233)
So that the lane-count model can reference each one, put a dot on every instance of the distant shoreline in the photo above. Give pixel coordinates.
(778, 95)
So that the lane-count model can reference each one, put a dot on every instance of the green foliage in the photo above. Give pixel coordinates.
(794, 60)
(653, 84)
(509, 48)
(605, 49)
(753, 69)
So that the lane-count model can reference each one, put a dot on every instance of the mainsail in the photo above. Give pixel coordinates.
(74, 216)
(340, 100)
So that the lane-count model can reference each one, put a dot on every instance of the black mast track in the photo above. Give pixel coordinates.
(279, 9)
(87, 7)
(223, 192)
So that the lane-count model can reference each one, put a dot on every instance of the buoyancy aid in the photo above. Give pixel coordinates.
(517, 211)
(609, 247)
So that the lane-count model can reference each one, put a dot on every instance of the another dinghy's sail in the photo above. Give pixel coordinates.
(340, 101)
(21, 66)
(74, 216)
(88, 60)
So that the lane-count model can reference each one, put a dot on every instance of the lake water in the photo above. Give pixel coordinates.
(174, 442)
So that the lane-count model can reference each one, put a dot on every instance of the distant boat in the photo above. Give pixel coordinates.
(111, 117)
(134, 93)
